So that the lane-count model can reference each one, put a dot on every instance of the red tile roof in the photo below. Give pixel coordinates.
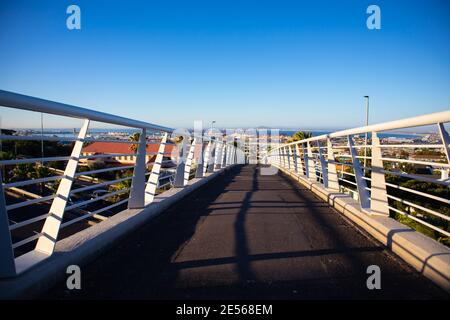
(121, 147)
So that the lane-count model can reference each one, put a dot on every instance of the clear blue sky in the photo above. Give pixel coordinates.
(303, 64)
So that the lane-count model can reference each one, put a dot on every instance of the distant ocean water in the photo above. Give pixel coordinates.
(381, 135)
(67, 133)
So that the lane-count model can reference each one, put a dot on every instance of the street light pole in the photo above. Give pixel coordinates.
(367, 123)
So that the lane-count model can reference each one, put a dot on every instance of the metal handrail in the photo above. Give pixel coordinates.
(306, 159)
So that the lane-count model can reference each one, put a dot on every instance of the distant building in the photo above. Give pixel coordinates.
(121, 152)
(427, 157)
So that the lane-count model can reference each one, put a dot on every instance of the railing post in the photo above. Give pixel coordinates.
(179, 174)
(153, 179)
(233, 161)
(288, 156)
(299, 160)
(295, 156)
(227, 157)
(224, 155)
(446, 142)
(333, 181)
(212, 157)
(360, 182)
(47, 241)
(311, 163)
(202, 158)
(218, 157)
(7, 265)
(305, 158)
(207, 158)
(283, 154)
(137, 192)
(378, 194)
(323, 165)
(189, 159)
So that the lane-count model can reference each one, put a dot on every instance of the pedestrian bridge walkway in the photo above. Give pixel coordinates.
(247, 235)
(203, 221)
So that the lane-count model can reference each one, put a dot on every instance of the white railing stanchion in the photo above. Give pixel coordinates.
(218, 155)
(210, 164)
(153, 179)
(333, 181)
(378, 194)
(224, 155)
(137, 191)
(311, 167)
(299, 160)
(189, 160)
(295, 155)
(47, 241)
(361, 184)
(323, 165)
(201, 158)
(182, 155)
(445, 140)
(207, 157)
(7, 265)
(288, 156)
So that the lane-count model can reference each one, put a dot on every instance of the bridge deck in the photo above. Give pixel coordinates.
(245, 235)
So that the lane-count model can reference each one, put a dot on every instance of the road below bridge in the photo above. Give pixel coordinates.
(246, 235)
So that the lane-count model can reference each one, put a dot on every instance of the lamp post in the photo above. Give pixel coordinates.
(367, 123)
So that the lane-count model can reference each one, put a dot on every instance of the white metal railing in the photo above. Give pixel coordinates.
(377, 180)
(30, 228)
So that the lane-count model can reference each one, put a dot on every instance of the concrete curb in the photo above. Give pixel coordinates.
(426, 255)
(88, 244)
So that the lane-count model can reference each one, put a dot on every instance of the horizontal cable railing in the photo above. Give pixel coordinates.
(407, 180)
(51, 183)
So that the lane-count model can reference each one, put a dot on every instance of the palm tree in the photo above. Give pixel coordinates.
(178, 139)
(135, 137)
(301, 135)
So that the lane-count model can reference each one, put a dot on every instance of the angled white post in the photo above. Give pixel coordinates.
(333, 181)
(137, 192)
(295, 156)
(218, 156)
(289, 157)
(207, 157)
(378, 194)
(311, 164)
(179, 174)
(446, 142)
(283, 155)
(153, 179)
(47, 241)
(323, 165)
(200, 158)
(360, 182)
(227, 156)
(305, 158)
(7, 265)
(210, 164)
(189, 160)
(224, 155)
(299, 160)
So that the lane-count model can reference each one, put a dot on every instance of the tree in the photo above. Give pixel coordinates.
(301, 135)
(135, 137)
